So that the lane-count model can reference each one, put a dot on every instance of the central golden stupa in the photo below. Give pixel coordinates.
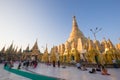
(78, 47)
(75, 33)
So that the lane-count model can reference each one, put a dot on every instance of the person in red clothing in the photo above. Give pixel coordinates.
(104, 71)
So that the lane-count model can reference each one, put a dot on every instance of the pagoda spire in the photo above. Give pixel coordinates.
(20, 51)
(10, 49)
(74, 23)
(27, 48)
(75, 33)
(46, 50)
(111, 44)
(35, 46)
(3, 50)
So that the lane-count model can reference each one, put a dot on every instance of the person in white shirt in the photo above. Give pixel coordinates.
(78, 65)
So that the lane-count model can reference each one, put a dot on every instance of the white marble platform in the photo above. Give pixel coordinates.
(68, 73)
(5, 75)
(72, 73)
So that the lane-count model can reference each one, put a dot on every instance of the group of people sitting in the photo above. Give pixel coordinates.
(99, 68)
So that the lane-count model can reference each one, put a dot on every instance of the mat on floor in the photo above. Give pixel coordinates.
(30, 75)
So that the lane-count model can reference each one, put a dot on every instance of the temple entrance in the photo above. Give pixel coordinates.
(72, 58)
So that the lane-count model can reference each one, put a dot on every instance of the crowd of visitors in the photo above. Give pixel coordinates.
(21, 64)
(98, 68)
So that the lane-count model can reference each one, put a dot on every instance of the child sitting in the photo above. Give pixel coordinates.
(104, 71)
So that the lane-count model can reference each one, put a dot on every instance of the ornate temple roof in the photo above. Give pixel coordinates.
(10, 49)
(19, 51)
(46, 50)
(27, 48)
(75, 33)
(110, 44)
(35, 47)
(3, 50)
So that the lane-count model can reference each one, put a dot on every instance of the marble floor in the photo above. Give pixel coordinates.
(72, 73)
(68, 73)
(5, 75)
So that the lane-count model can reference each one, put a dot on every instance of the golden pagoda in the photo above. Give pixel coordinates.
(33, 54)
(71, 49)
(53, 55)
(76, 33)
(79, 47)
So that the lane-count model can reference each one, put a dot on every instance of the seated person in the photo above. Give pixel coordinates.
(92, 71)
(83, 67)
(78, 65)
(98, 67)
(104, 71)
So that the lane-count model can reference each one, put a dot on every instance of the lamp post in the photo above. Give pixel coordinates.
(96, 30)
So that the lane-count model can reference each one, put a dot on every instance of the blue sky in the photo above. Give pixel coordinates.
(50, 21)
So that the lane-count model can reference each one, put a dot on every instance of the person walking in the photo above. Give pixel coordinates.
(19, 66)
(53, 63)
(58, 63)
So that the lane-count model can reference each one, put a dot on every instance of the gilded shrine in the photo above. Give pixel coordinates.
(78, 47)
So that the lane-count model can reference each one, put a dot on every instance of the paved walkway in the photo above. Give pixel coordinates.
(68, 73)
(72, 73)
(5, 75)
(30, 75)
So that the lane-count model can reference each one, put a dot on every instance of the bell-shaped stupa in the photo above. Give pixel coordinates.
(76, 33)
